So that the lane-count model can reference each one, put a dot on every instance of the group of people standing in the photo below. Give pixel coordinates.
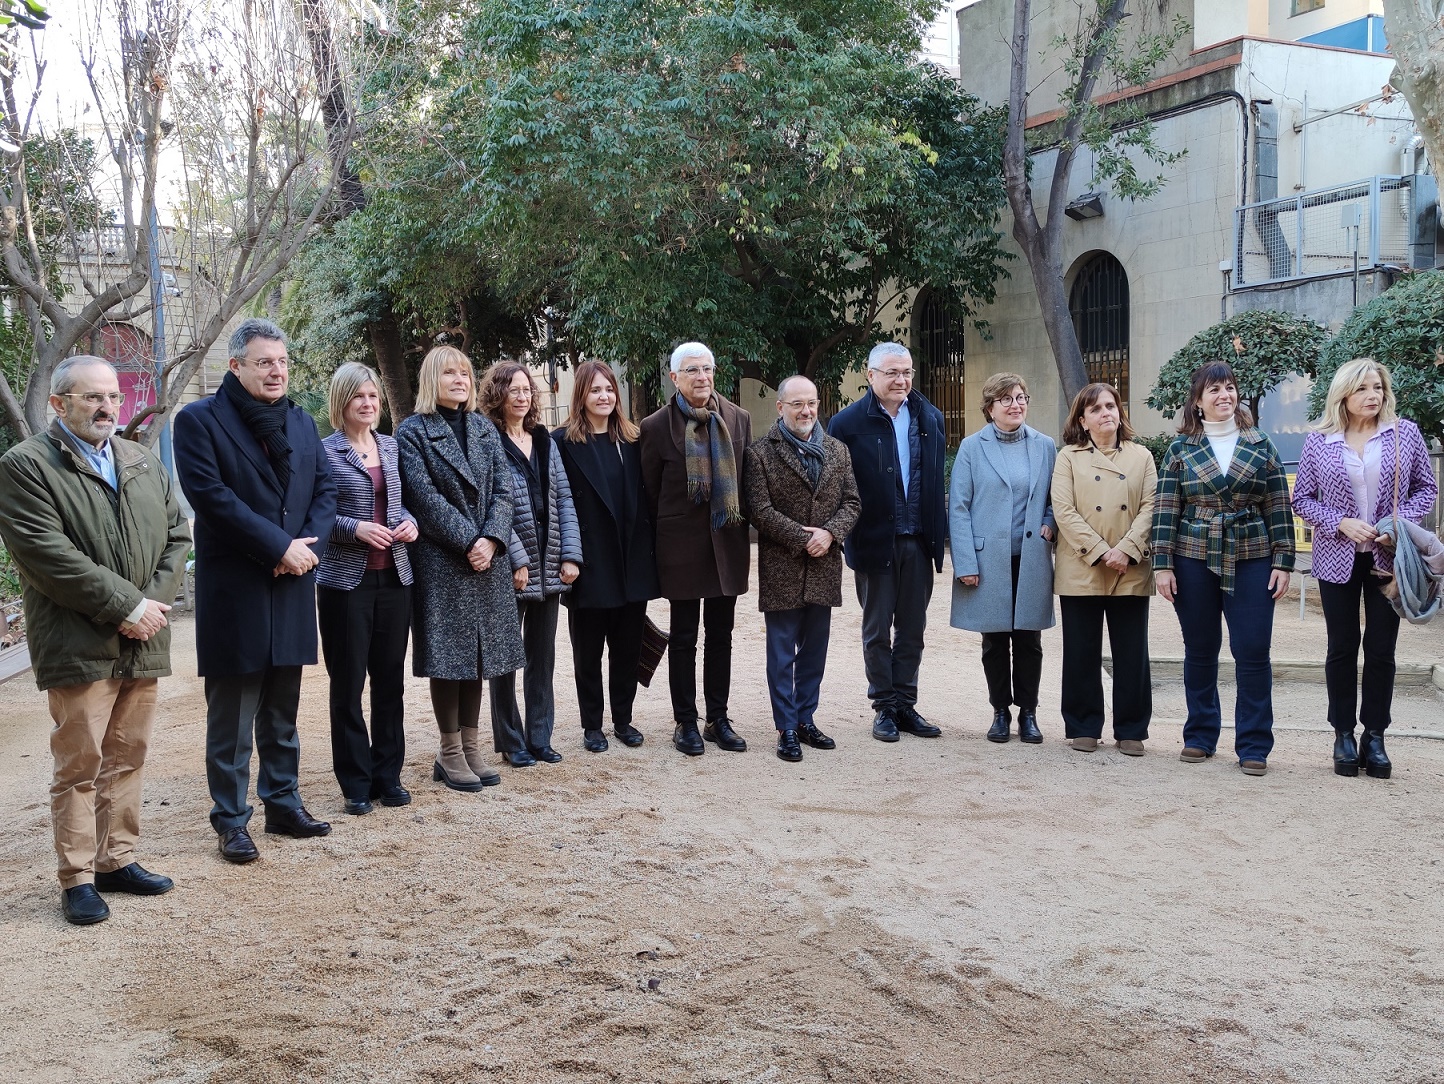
(474, 524)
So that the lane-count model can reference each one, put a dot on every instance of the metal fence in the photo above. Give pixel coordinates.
(1320, 232)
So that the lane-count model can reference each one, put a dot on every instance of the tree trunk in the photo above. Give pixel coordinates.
(1416, 38)
(385, 335)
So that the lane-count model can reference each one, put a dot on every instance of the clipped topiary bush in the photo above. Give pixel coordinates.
(1265, 349)
(1402, 329)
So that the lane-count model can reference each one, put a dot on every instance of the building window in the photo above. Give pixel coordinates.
(939, 361)
(1301, 6)
(1098, 304)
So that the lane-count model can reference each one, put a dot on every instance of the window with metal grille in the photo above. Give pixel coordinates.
(1098, 304)
(939, 362)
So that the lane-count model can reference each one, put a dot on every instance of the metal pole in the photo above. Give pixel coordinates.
(157, 301)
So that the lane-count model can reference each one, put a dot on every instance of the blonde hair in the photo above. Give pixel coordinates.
(1348, 379)
(345, 383)
(996, 385)
(428, 380)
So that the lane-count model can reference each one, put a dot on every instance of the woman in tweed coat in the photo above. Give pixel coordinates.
(458, 487)
(363, 595)
(1223, 548)
(545, 554)
(1345, 485)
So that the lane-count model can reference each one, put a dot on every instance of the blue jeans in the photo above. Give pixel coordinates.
(1200, 604)
(796, 654)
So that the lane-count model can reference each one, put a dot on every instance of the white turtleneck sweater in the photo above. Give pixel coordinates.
(1223, 439)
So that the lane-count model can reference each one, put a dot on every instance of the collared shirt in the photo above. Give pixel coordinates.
(1363, 475)
(102, 458)
(900, 427)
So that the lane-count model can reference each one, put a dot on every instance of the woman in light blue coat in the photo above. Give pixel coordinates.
(1001, 530)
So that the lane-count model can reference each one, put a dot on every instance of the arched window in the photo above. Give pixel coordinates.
(939, 361)
(128, 348)
(1098, 304)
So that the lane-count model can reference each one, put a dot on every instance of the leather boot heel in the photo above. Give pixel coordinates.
(1346, 753)
(1375, 760)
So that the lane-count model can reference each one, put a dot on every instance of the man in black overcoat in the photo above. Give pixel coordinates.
(251, 465)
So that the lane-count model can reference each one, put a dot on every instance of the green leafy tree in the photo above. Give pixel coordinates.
(1264, 348)
(1402, 329)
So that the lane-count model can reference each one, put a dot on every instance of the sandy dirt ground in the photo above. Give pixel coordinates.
(946, 910)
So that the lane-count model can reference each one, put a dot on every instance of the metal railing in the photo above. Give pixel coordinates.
(1322, 232)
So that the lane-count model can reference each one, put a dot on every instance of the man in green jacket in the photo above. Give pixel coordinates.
(99, 540)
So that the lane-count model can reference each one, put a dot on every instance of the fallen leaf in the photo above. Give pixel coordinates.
(1238, 347)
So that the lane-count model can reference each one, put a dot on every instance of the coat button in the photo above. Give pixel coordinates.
(1098, 477)
(1030, 534)
(1123, 477)
(1098, 508)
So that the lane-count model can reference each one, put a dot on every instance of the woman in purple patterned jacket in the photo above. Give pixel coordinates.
(1345, 486)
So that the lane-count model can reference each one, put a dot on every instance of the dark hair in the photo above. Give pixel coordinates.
(494, 384)
(1190, 422)
(621, 429)
(1073, 431)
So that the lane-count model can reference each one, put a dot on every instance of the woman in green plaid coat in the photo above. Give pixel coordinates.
(1223, 548)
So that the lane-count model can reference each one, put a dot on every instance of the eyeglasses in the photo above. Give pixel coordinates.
(895, 374)
(694, 371)
(519, 393)
(1012, 400)
(804, 404)
(268, 364)
(97, 398)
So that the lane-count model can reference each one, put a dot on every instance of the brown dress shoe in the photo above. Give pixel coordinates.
(1253, 767)
(1085, 744)
(1190, 755)
(1129, 747)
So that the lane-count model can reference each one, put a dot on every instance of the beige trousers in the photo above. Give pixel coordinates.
(102, 731)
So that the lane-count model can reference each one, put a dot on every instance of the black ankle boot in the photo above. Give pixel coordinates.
(1002, 719)
(1028, 726)
(1376, 762)
(1346, 753)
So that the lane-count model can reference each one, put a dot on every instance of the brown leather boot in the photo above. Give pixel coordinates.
(476, 756)
(451, 767)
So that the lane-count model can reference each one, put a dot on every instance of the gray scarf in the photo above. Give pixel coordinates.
(809, 451)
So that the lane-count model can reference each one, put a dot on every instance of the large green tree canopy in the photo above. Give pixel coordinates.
(767, 177)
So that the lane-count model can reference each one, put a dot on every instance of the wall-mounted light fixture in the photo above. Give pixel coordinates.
(1088, 205)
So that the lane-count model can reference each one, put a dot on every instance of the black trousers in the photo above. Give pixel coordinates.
(509, 733)
(716, 616)
(246, 711)
(1380, 633)
(894, 617)
(365, 631)
(619, 630)
(1013, 662)
(1082, 698)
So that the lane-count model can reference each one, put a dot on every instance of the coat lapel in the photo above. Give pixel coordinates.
(444, 441)
(588, 457)
(246, 441)
(993, 453)
(788, 456)
(1035, 462)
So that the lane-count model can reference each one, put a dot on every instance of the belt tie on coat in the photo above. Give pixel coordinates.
(1223, 522)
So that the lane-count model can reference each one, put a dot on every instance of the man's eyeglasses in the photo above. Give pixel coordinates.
(895, 374)
(803, 404)
(97, 398)
(694, 371)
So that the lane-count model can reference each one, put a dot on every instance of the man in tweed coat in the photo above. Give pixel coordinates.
(802, 498)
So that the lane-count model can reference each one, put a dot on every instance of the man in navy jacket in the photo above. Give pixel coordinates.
(251, 465)
(897, 442)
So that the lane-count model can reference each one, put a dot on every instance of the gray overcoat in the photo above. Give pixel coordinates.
(460, 617)
(980, 514)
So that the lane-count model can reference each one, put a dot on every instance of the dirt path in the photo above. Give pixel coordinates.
(930, 911)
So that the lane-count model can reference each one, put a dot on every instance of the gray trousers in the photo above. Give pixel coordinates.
(539, 641)
(894, 617)
(247, 709)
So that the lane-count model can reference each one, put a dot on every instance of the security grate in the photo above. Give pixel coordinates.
(1098, 304)
(940, 364)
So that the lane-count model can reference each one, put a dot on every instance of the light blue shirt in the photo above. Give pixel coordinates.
(900, 426)
(100, 458)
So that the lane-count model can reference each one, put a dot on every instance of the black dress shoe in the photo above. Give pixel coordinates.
(628, 735)
(393, 795)
(546, 753)
(1377, 764)
(594, 741)
(687, 740)
(519, 758)
(135, 879)
(1346, 753)
(908, 719)
(1028, 726)
(1002, 720)
(83, 906)
(787, 747)
(720, 731)
(238, 847)
(884, 725)
(296, 823)
(359, 807)
(810, 735)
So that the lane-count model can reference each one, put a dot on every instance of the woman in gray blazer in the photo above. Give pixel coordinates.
(545, 553)
(458, 487)
(1001, 529)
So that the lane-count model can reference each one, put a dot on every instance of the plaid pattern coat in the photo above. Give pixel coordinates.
(1203, 513)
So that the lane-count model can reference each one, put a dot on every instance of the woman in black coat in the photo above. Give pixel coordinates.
(458, 486)
(607, 605)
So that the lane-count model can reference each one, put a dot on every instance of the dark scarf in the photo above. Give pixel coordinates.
(267, 423)
(809, 451)
(711, 466)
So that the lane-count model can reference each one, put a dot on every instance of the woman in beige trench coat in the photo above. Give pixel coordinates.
(1103, 485)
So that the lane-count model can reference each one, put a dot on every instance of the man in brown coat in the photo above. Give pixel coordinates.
(802, 498)
(692, 453)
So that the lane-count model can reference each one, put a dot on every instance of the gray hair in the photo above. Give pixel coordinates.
(786, 380)
(878, 355)
(691, 350)
(65, 375)
(254, 328)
